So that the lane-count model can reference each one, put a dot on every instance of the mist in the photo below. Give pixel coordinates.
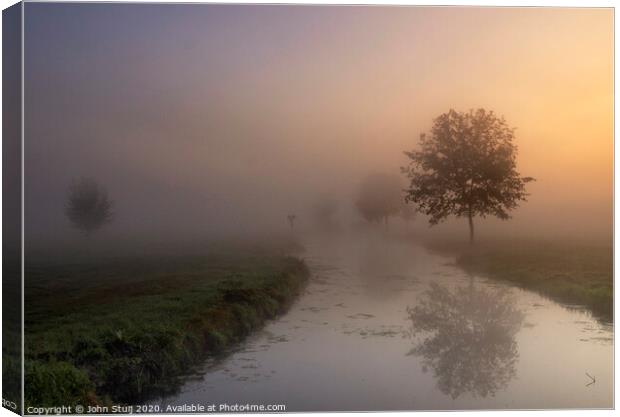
(214, 121)
(232, 204)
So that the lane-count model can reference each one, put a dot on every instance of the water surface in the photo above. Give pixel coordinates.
(387, 325)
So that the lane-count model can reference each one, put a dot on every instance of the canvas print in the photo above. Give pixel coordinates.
(299, 208)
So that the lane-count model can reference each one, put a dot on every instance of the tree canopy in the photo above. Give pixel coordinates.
(325, 213)
(466, 166)
(88, 206)
(380, 196)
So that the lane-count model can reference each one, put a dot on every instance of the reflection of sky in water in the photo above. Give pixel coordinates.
(345, 344)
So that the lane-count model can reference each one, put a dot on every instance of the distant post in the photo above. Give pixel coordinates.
(291, 220)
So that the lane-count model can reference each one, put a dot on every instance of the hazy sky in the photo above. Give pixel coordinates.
(205, 118)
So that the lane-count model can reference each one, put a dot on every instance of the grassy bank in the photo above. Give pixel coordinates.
(569, 272)
(125, 329)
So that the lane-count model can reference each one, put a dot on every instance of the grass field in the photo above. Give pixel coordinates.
(122, 330)
(569, 272)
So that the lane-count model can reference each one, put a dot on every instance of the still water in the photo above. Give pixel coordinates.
(387, 325)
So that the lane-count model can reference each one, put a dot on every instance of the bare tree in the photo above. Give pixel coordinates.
(466, 167)
(88, 207)
(379, 197)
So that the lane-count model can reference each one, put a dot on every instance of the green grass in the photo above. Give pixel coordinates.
(125, 329)
(569, 272)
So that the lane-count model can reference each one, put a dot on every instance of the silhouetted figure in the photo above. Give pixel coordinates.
(466, 167)
(88, 207)
(468, 338)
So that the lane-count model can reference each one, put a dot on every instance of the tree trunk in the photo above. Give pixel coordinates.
(386, 221)
(471, 229)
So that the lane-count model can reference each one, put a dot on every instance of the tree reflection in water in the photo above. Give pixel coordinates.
(467, 337)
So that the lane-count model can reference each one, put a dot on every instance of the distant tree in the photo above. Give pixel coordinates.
(379, 197)
(407, 213)
(466, 167)
(291, 220)
(325, 213)
(88, 207)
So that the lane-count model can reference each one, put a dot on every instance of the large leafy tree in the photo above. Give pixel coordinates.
(88, 207)
(466, 167)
